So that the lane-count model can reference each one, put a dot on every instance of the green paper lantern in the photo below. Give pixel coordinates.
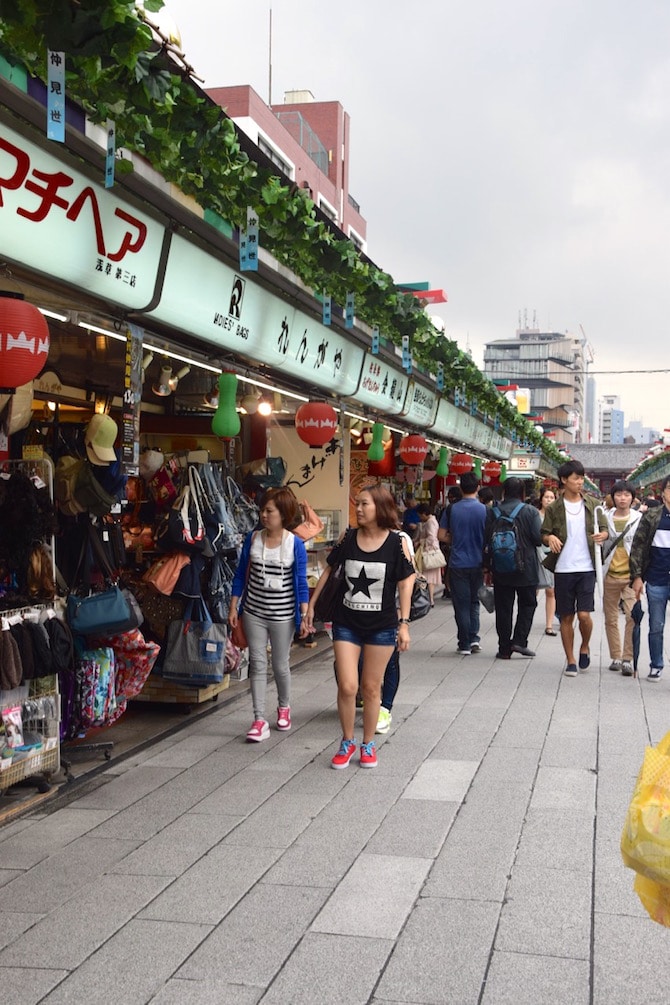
(503, 473)
(225, 421)
(442, 469)
(478, 467)
(376, 448)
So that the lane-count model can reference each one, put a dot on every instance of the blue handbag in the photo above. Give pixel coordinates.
(100, 613)
(195, 650)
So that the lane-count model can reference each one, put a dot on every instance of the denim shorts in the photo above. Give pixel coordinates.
(380, 637)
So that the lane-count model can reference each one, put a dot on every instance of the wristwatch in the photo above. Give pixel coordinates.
(403, 621)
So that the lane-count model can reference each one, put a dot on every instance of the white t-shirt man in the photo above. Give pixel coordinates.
(575, 555)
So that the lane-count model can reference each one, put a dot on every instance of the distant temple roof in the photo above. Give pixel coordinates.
(608, 458)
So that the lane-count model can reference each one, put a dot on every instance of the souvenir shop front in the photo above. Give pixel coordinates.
(153, 390)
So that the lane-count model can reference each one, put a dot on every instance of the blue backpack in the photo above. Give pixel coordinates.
(504, 548)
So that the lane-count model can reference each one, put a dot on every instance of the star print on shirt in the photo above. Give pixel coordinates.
(361, 583)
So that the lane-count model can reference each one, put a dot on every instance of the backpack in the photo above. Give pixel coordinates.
(90, 494)
(65, 483)
(504, 548)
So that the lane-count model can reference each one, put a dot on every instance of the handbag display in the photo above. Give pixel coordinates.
(195, 648)
(311, 525)
(432, 559)
(164, 572)
(420, 605)
(100, 613)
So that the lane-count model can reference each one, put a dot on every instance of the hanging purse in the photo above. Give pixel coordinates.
(311, 525)
(195, 649)
(420, 605)
(105, 613)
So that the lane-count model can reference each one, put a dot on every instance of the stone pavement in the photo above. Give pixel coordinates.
(479, 863)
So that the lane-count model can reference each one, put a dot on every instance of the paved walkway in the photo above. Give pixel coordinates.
(478, 864)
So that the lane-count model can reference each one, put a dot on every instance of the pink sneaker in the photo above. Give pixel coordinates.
(284, 718)
(260, 730)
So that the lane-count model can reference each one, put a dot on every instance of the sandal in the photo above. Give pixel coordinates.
(549, 631)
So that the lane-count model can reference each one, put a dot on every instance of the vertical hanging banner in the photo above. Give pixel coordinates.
(56, 96)
(249, 243)
(375, 341)
(132, 397)
(349, 311)
(406, 355)
(110, 154)
(327, 308)
(440, 376)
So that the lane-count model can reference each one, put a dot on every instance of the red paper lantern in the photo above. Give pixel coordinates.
(24, 341)
(460, 463)
(315, 423)
(413, 449)
(491, 471)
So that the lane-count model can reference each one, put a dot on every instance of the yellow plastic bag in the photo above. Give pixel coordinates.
(655, 899)
(645, 841)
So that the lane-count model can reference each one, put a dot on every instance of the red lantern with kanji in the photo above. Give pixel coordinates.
(24, 341)
(460, 464)
(413, 449)
(491, 471)
(316, 423)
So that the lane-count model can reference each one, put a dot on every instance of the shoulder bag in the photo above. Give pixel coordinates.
(195, 648)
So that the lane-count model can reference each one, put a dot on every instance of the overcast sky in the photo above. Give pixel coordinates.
(515, 154)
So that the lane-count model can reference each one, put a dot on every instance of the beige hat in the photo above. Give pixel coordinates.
(99, 438)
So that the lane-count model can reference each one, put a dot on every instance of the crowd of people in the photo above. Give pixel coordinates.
(561, 542)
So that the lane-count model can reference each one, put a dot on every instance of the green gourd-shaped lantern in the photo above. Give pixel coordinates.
(226, 421)
(478, 467)
(376, 448)
(442, 469)
(503, 473)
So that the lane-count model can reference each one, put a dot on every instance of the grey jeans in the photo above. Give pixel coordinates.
(280, 635)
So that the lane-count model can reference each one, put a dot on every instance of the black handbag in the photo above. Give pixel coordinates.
(420, 599)
(332, 590)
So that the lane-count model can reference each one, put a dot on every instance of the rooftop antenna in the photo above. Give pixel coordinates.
(535, 320)
(270, 59)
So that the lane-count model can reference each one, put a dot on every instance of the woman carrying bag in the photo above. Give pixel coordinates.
(432, 559)
(271, 582)
(365, 618)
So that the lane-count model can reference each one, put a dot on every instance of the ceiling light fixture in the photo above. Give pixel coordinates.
(211, 399)
(264, 407)
(53, 314)
(101, 331)
(173, 381)
(162, 386)
(250, 402)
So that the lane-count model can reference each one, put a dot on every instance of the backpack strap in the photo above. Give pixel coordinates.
(517, 509)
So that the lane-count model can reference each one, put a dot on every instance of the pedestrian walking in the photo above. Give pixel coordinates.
(270, 589)
(568, 532)
(650, 567)
(622, 522)
(546, 497)
(519, 585)
(466, 537)
(432, 559)
(454, 495)
(376, 564)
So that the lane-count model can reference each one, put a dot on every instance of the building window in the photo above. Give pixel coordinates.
(327, 209)
(356, 239)
(275, 156)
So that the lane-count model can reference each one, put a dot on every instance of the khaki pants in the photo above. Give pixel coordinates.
(614, 591)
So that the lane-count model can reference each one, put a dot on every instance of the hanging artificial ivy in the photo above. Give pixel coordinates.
(115, 70)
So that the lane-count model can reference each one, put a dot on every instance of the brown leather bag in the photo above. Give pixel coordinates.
(237, 634)
(311, 524)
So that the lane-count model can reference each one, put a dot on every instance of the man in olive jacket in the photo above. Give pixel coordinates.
(568, 531)
(650, 564)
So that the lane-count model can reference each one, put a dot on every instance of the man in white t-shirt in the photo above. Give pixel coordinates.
(568, 531)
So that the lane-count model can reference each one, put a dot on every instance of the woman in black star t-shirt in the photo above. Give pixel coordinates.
(376, 564)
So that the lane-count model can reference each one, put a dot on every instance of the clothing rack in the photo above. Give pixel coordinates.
(42, 469)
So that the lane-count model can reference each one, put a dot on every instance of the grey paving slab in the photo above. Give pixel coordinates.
(28, 987)
(250, 947)
(414, 827)
(554, 839)
(521, 979)
(569, 789)
(330, 970)
(207, 891)
(547, 911)
(174, 849)
(445, 780)
(206, 992)
(68, 935)
(469, 735)
(29, 846)
(65, 874)
(243, 793)
(631, 961)
(135, 963)
(375, 897)
(13, 924)
(7, 875)
(126, 789)
(182, 753)
(442, 954)
(271, 826)
(579, 752)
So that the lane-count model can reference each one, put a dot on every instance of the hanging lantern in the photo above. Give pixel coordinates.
(413, 449)
(442, 469)
(24, 341)
(503, 473)
(460, 464)
(478, 467)
(316, 423)
(384, 468)
(225, 421)
(376, 448)
(491, 471)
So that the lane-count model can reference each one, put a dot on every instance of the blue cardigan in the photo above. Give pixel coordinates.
(300, 587)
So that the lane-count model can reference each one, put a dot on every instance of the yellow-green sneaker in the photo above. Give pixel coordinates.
(384, 721)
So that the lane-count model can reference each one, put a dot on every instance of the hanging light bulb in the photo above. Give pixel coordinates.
(211, 399)
(162, 386)
(264, 407)
(173, 381)
(250, 402)
(146, 363)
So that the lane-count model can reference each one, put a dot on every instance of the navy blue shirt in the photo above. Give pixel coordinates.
(467, 520)
(658, 569)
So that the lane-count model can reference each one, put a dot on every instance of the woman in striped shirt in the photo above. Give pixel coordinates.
(271, 581)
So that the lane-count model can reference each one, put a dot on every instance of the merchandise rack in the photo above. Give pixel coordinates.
(45, 760)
